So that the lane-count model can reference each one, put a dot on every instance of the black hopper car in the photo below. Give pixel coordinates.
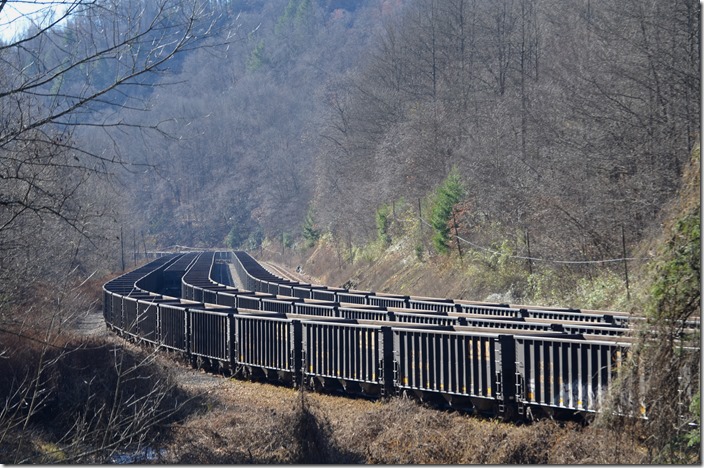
(494, 359)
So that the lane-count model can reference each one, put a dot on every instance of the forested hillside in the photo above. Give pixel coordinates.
(245, 121)
(567, 123)
(566, 120)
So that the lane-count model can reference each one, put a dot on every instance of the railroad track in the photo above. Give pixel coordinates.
(284, 272)
(496, 359)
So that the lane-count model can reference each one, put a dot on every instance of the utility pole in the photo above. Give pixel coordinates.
(625, 262)
(530, 257)
(122, 249)
(457, 236)
(144, 243)
(420, 219)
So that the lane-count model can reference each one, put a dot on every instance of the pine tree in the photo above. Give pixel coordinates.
(310, 233)
(447, 195)
(382, 224)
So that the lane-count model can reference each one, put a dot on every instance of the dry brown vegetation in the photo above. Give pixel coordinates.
(71, 394)
(82, 402)
(258, 423)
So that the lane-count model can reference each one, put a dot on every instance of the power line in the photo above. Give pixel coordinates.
(549, 260)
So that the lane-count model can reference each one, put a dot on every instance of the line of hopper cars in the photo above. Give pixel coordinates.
(495, 359)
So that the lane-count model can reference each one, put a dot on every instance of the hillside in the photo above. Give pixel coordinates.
(478, 275)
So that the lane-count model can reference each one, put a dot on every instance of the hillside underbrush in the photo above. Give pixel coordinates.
(259, 423)
(70, 398)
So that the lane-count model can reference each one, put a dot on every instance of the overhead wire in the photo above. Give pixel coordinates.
(549, 260)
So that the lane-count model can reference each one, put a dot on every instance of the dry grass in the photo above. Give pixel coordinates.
(69, 398)
(82, 402)
(259, 423)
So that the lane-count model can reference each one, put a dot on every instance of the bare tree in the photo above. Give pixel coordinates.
(89, 65)
(82, 65)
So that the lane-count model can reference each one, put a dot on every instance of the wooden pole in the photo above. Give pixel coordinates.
(625, 262)
(457, 236)
(122, 249)
(530, 262)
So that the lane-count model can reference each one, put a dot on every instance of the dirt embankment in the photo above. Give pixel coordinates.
(397, 272)
(247, 422)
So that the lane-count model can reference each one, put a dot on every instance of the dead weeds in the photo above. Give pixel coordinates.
(257, 423)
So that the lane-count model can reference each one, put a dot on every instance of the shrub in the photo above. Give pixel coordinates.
(310, 232)
(382, 224)
(85, 400)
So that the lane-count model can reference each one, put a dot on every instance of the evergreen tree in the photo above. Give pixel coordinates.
(447, 195)
(310, 233)
(382, 224)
